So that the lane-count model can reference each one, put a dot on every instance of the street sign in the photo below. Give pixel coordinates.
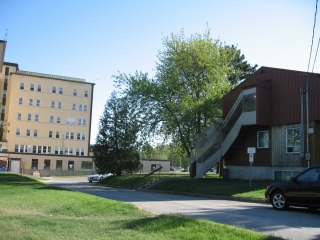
(251, 157)
(251, 150)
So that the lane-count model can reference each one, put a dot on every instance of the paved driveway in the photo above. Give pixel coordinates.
(296, 224)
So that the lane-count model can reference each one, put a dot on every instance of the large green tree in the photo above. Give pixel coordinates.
(240, 68)
(117, 143)
(185, 95)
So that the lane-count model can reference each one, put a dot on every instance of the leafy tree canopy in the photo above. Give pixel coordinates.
(185, 95)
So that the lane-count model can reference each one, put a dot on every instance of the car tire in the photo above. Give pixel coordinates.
(279, 201)
(90, 181)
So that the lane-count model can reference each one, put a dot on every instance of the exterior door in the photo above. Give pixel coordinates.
(15, 166)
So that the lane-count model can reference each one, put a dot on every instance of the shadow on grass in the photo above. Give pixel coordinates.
(13, 179)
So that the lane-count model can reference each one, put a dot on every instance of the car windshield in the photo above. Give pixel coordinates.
(311, 175)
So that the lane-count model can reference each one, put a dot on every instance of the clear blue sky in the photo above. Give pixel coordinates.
(94, 39)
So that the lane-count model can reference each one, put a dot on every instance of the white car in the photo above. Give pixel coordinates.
(98, 177)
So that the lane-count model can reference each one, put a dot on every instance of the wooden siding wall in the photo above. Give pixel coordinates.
(315, 143)
(279, 156)
(262, 156)
(284, 93)
(263, 101)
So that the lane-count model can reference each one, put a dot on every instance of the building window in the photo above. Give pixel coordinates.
(61, 90)
(70, 165)
(51, 119)
(53, 89)
(58, 119)
(70, 121)
(84, 107)
(86, 165)
(30, 102)
(7, 71)
(58, 150)
(59, 104)
(263, 139)
(86, 93)
(22, 86)
(31, 87)
(67, 151)
(35, 133)
(52, 104)
(82, 121)
(293, 140)
(74, 106)
(17, 131)
(69, 135)
(38, 103)
(29, 116)
(57, 134)
(46, 164)
(81, 136)
(74, 92)
(50, 134)
(249, 102)
(22, 148)
(28, 133)
(80, 107)
(59, 165)
(41, 149)
(4, 94)
(80, 151)
(36, 118)
(39, 88)
(20, 101)
(34, 164)
(19, 116)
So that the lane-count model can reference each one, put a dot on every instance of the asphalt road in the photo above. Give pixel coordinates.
(295, 224)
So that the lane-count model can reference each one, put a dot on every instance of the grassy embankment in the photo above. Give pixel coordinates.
(211, 184)
(33, 210)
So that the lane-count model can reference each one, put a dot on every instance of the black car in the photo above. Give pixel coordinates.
(303, 190)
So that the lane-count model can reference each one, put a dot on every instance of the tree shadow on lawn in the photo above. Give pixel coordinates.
(15, 180)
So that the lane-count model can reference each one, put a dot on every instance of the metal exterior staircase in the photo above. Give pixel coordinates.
(210, 146)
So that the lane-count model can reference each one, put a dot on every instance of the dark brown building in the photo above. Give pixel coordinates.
(276, 114)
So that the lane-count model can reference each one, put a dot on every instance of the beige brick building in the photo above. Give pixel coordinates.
(46, 121)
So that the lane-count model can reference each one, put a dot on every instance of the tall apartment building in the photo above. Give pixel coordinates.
(46, 122)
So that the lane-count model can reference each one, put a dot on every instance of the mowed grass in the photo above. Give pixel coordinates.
(34, 210)
(211, 184)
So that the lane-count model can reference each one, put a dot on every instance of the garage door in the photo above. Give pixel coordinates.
(15, 166)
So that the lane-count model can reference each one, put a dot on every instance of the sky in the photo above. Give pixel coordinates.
(98, 39)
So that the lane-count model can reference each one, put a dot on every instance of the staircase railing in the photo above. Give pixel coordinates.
(215, 141)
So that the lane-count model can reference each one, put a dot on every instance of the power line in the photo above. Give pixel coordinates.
(314, 24)
(315, 58)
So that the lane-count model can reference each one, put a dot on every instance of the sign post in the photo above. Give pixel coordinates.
(251, 152)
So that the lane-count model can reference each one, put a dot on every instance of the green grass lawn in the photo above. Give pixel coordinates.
(33, 210)
(211, 184)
